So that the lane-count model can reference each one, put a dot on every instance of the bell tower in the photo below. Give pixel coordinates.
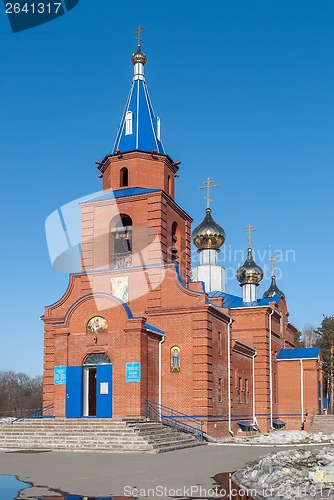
(139, 178)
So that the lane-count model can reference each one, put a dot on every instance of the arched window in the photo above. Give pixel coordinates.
(97, 358)
(124, 177)
(121, 242)
(128, 123)
(168, 184)
(175, 241)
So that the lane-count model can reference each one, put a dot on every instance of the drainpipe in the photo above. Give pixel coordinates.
(229, 375)
(253, 386)
(302, 392)
(270, 373)
(160, 374)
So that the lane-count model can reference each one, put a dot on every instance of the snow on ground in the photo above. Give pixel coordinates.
(293, 474)
(6, 420)
(285, 437)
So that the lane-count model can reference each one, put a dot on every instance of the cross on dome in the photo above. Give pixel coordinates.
(249, 229)
(273, 259)
(208, 185)
(138, 32)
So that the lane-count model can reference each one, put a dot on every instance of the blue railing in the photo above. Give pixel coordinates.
(173, 418)
(46, 411)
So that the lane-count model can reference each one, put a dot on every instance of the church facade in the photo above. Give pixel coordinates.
(137, 323)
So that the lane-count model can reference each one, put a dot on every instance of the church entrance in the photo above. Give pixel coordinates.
(89, 391)
(89, 388)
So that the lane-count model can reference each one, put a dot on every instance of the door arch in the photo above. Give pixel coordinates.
(97, 385)
(89, 387)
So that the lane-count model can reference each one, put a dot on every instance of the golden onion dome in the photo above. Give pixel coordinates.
(273, 289)
(208, 234)
(249, 272)
(139, 57)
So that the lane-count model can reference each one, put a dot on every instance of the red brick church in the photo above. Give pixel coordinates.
(137, 322)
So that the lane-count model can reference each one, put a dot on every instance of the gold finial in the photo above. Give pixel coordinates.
(273, 260)
(208, 185)
(249, 229)
(138, 32)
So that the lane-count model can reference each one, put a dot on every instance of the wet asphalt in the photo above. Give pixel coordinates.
(184, 474)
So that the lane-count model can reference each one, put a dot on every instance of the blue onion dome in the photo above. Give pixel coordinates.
(249, 272)
(273, 289)
(139, 57)
(208, 234)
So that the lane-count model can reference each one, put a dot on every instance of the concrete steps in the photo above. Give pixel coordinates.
(323, 423)
(113, 435)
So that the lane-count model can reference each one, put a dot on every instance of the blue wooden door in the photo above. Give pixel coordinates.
(74, 391)
(104, 391)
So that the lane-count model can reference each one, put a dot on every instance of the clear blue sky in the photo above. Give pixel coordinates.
(244, 90)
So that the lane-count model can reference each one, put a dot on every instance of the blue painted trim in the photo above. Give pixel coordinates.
(179, 279)
(123, 304)
(121, 193)
(154, 329)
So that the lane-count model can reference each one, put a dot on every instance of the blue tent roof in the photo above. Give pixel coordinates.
(299, 353)
(232, 301)
(139, 128)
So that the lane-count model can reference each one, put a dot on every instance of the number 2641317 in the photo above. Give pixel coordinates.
(33, 8)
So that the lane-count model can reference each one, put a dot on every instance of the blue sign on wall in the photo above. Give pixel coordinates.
(59, 375)
(132, 372)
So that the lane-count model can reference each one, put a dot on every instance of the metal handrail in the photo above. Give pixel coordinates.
(46, 411)
(174, 419)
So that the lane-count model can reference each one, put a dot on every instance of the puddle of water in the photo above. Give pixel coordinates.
(229, 489)
(10, 487)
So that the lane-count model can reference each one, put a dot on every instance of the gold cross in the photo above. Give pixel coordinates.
(249, 229)
(273, 260)
(208, 185)
(138, 32)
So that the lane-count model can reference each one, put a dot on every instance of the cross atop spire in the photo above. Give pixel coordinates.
(273, 260)
(208, 185)
(140, 129)
(138, 32)
(249, 229)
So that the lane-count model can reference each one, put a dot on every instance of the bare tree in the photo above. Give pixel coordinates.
(310, 336)
(19, 393)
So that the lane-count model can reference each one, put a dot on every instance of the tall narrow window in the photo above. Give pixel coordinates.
(128, 123)
(275, 388)
(175, 241)
(239, 389)
(219, 343)
(121, 242)
(158, 129)
(168, 184)
(124, 177)
(220, 390)
(246, 388)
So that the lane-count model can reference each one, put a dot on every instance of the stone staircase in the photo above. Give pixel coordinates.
(107, 435)
(323, 423)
